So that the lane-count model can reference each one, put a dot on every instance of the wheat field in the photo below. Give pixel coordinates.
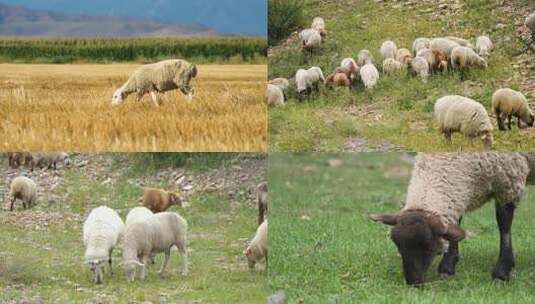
(68, 108)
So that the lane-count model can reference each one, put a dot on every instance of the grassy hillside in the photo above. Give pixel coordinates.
(398, 112)
(323, 249)
(42, 254)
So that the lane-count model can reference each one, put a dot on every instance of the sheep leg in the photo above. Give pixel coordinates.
(143, 272)
(261, 211)
(447, 136)
(165, 261)
(109, 261)
(182, 248)
(509, 118)
(450, 259)
(506, 260)
(500, 120)
(12, 202)
(155, 98)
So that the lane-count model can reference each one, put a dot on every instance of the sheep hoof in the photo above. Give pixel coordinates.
(502, 273)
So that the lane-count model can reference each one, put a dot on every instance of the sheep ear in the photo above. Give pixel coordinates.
(387, 219)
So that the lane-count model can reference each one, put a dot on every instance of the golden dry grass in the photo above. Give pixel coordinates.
(68, 108)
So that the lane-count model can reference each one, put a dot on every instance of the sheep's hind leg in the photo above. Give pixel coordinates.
(506, 260)
(164, 265)
(109, 261)
(155, 98)
(449, 259)
(509, 119)
(184, 250)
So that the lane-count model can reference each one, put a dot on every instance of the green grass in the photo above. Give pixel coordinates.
(47, 262)
(323, 249)
(402, 105)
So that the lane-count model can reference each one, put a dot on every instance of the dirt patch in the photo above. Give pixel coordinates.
(361, 144)
(37, 219)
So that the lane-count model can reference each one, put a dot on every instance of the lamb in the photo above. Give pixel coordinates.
(275, 95)
(158, 78)
(483, 46)
(420, 43)
(158, 200)
(461, 41)
(391, 65)
(338, 79)
(101, 232)
(308, 80)
(443, 46)
(352, 67)
(262, 201)
(463, 57)
(388, 49)
(49, 160)
(310, 39)
(460, 114)
(364, 57)
(258, 247)
(156, 234)
(369, 76)
(507, 103)
(24, 189)
(419, 66)
(435, 60)
(319, 25)
(443, 187)
(404, 56)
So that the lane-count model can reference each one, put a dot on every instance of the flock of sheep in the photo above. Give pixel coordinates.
(453, 113)
(148, 230)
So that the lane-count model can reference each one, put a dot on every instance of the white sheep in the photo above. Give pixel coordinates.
(24, 189)
(352, 67)
(364, 57)
(157, 78)
(258, 247)
(404, 56)
(456, 113)
(310, 39)
(421, 43)
(419, 66)
(461, 41)
(435, 60)
(388, 49)
(443, 46)
(275, 96)
(464, 57)
(101, 232)
(280, 82)
(137, 214)
(442, 189)
(307, 80)
(391, 65)
(483, 46)
(507, 103)
(369, 76)
(319, 25)
(154, 235)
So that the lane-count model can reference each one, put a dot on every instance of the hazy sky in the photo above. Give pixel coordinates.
(248, 17)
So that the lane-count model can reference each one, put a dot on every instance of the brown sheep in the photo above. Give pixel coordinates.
(159, 200)
(262, 201)
(338, 78)
(16, 159)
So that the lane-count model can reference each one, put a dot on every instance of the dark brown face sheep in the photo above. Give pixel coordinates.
(159, 200)
(338, 79)
(262, 201)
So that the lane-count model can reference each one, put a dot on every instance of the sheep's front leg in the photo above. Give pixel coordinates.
(506, 260)
(450, 259)
(165, 261)
(109, 261)
(12, 202)
(509, 118)
(143, 271)
(155, 98)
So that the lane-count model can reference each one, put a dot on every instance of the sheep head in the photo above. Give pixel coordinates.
(130, 268)
(96, 268)
(174, 199)
(118, 97)
(419, 237)
(251, 258)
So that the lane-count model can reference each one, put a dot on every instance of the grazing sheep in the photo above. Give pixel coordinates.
(369, 76)
(364, 57)
(280, 82)
(258, 247)
(421, 43)
(16, 159)
(319, 25)
(507, 103)
(262, 201)
(530, 23)
(461, 41)
(49, 160)
(308, 80)
(460, 114)
(391, 65)
(388, 49)
(157, 78)
(137, 214)
(159, 200)
(156, 234)
(404, 56)
(352, 67)
(275, 96)
(435, 60)
(101, 232)
(419, 67)
(310, 39)
(483, 46)
(443, 46)
(443, 187)
(464, 57)
(337, 79)
(24, 189)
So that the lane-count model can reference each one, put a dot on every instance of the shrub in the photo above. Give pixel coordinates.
(284, 17)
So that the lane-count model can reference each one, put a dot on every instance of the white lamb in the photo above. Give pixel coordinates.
(483, 46)
(369, 76)
(275, 96)
(258, 248)
(307, 80)
(102, 230)
(460, 114)
(421, 43)
(391, 65)
(157, 78)
(310, 39)
(388, 49)
(156, 234)
(364, 57)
